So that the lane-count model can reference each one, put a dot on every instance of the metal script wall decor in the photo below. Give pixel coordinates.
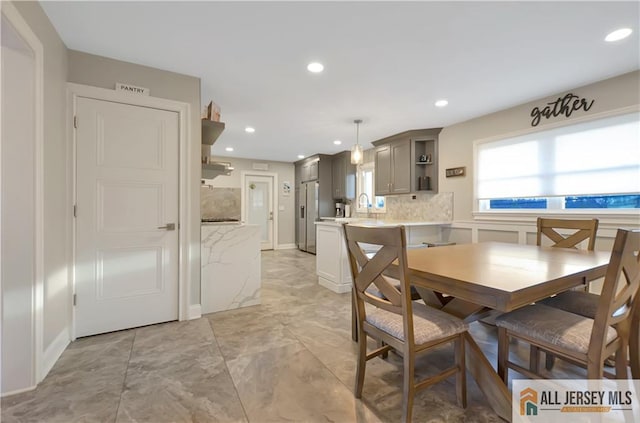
(562, 106)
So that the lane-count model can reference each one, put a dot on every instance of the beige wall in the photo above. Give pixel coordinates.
(56, 217)
(285, 172)
(456, 141)
(103, 72)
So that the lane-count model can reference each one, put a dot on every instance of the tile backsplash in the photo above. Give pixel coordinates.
(425, 207)
(219, 203)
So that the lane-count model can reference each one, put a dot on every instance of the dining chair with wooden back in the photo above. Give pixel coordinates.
(576, 300)
(393, 318)
(585, 230)
(581, 340)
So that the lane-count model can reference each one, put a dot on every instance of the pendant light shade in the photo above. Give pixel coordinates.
(356, 154)
(356, 150)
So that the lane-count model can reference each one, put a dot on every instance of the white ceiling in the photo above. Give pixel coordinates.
(386, 63)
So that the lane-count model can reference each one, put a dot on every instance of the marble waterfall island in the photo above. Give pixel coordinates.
(230, 266)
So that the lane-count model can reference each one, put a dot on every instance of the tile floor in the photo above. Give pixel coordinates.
(290, 359)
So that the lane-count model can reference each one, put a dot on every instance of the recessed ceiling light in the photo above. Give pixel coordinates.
(229, 149)
(315, 67)
(301, 156)
(618, 35)
(249, 129)
(337, 142)
(441, 103)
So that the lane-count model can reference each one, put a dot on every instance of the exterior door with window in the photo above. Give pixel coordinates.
(127, 213)
(259, 207)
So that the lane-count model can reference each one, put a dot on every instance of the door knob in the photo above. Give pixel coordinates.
(168, 227)
(270, 215)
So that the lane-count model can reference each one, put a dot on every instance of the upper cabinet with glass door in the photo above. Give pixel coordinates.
(407, 162)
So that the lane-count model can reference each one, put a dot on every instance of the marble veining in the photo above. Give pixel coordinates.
(230, 256)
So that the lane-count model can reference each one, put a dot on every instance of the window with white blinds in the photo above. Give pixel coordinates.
(589, 158)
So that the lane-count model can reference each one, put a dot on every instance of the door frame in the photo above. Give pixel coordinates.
(185, 239)
(40, 368)
(243, 212)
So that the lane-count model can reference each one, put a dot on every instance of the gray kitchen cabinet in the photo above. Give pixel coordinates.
(382, 161)
(407, 162)
(343, 176)
(393, 168)
(309, 169)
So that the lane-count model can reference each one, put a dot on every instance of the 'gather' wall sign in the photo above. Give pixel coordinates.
(562, 106)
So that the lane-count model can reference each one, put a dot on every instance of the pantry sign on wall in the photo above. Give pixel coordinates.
(562, 106)
(132, 89)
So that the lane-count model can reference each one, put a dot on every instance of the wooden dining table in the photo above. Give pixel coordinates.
(466, 280)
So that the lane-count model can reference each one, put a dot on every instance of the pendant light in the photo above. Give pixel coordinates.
(356, 150)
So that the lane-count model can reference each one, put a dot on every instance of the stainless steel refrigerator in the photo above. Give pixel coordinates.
(308, 214)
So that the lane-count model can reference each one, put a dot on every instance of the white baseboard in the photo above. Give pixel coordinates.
(338, 289)
(17, 391)
(286, 247)
(195, 311)
(49, 358)
(53, 352)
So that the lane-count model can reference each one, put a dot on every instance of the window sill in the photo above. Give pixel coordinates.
(613, 217)
(372, 211)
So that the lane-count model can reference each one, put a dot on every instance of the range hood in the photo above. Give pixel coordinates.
(214, 169)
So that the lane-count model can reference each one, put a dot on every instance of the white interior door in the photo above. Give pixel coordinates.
(259, 207)
(127, 214)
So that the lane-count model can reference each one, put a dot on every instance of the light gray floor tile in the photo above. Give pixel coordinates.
(180, 386)
(83, 386)
(290, 384)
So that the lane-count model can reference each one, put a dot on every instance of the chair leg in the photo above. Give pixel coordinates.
(534, 359)
(550, 361)
(595, 368)
(461, 377)
(354, 318)
(503, 354)
(409, 388)
(634, 341)
(362, 362)
(621, 361)
(381, 344)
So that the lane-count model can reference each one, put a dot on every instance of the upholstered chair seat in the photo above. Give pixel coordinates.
(552, 326)
(429, 324)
